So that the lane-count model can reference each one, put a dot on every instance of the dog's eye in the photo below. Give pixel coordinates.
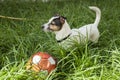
(52, 23)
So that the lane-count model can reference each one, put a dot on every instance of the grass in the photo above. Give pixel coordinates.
(20, 39)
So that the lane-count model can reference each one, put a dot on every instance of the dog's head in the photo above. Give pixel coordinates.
(54, 24)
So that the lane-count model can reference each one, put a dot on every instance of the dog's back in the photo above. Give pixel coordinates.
(90, 31)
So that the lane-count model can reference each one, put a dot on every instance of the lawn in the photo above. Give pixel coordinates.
(19, 39)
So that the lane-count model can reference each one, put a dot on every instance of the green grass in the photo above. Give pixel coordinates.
(20, 39)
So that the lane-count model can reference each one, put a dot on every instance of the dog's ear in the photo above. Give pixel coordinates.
(60, 16)
(62, 19)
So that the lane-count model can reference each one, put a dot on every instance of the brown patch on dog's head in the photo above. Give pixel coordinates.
(57, 23)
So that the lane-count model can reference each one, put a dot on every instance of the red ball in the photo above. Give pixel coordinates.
(41, 61)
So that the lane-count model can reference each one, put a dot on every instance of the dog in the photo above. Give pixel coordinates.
(65, 35)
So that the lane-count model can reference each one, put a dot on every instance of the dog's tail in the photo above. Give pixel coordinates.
(98, 14)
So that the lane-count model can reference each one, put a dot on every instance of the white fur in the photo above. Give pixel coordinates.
(81, 35)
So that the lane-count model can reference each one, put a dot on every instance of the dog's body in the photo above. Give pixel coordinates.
(64, 35)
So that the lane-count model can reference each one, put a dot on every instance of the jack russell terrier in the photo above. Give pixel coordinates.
(65, 35)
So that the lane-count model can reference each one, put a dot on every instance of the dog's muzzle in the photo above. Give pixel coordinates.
(45, 27)
(42, 26)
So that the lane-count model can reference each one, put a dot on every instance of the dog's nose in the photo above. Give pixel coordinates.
(42, 26)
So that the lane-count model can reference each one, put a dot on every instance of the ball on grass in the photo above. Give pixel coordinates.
(41, 61)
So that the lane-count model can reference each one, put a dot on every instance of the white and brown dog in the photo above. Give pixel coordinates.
(65, 35)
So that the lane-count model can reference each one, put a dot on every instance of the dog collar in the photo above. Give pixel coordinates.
(63, 38)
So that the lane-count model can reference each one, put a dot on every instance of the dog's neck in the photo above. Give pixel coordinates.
(64, 32)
